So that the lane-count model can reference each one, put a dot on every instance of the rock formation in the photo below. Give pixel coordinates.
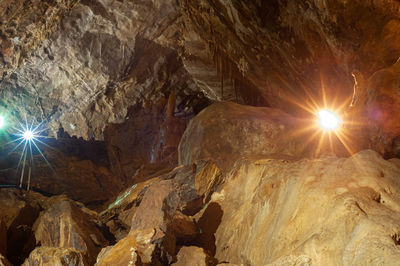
(186, 132)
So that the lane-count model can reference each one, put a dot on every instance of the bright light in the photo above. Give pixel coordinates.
(28, 135)
(1, 121)
(328, 120)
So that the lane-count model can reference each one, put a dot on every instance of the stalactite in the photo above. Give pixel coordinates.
(227, 70)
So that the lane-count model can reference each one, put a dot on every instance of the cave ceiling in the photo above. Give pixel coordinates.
(81, 65)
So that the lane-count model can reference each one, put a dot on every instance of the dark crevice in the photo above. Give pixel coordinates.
(396, 239)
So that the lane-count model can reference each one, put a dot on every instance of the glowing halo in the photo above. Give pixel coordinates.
(28, 135)
(328, 120)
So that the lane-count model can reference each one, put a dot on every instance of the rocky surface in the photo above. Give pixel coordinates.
(192, 256)
(182, 181)
(83, 65)
(226, 132)
(48, 256)
(269, 212)
(49, 231)
(374, 107)
(65, 225)
(147, 142)
(98, 62)
(4, 261)
(76, 168)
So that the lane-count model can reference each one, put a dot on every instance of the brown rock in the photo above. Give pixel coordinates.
(4, 261)
(192, 256)
(146, 144)
(10, 206)
(374, 114)
(70, 173)
(183, 228)
(325, 211)
(149, 223)
(64, 225)
(226, 132)
(18, 212)
(118, 215)
(207, 180)
(123, 253)
(51, 256)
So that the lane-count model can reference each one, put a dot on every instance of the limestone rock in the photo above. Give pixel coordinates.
(149, 223)
(123, 253)
(286, 49)
(325, 211)
(18, 212)
(192, 256)
(226, 132)
(119, 213)
(64, 225)
(159, 210)
(52, 256)
(104, 58)
(146, 143)
(4, 261)
(374, 115)
(68, 170)
(184, 228)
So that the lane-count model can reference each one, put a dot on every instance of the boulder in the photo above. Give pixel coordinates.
(123, 253)
(192, 256)
(225, 132)
(161, 220)
(324, 211)
(118, 215)
(51, 256)
(151, 219)
(65, 225)
(18, 212)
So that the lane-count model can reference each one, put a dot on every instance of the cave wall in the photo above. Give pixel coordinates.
(82, 65)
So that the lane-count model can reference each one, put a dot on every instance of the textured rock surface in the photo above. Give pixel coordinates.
(65, 230)
(64, 225)
(226, 132)
(145, 144)
(374, 108)
(76, 168)
(269, 212)
(160, 211)
(4, 261)
(192, 256)
(123, 253)
(104, 56)
(287, 48)
(49, 256)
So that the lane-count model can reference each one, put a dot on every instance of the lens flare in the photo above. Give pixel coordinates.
(328, 120)
(28, 135)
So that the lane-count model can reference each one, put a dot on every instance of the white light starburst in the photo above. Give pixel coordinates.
(28, 136)
(328, 120)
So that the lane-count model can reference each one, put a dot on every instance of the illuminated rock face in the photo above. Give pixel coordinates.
(327, 211)
(226, 132)
(245, 190)
(84, 65)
